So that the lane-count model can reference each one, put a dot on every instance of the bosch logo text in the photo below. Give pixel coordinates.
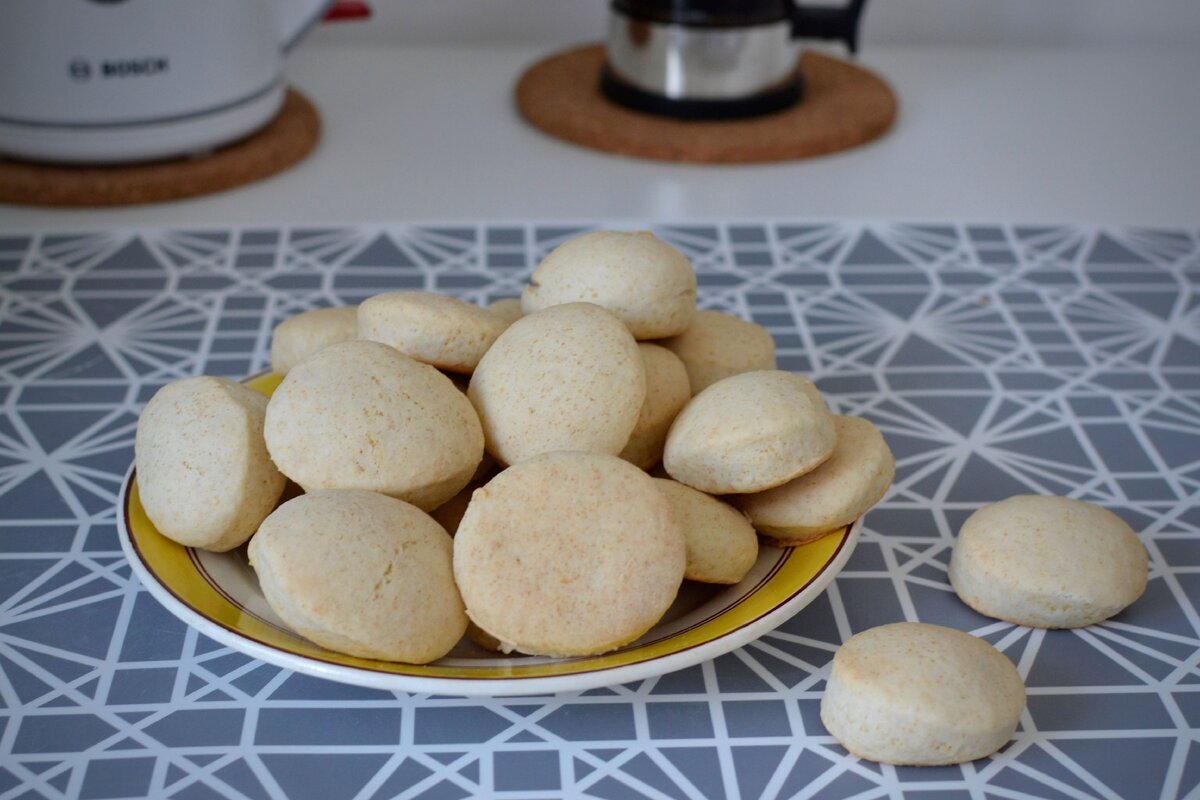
(83, 70)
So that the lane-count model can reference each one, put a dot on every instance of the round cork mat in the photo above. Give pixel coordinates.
(284, 141)
(844, 106)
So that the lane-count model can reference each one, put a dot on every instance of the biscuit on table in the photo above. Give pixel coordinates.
(717, 345)
(435, 329)
(361, 415)
(667, 392)
(1048, 562)
(302, 335)
(749, 433)
(203, 471)
(567, 378)
(721, 543)
(915, 694)
(361, 573)
(507, 308)
(568, 554)
(830, 497)
(644, 281)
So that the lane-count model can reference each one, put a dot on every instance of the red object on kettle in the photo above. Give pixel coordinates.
(344, 10)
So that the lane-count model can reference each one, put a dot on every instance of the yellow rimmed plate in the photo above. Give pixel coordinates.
(218, 594)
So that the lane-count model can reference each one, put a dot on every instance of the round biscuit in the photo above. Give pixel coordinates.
(361, 415)
(915, 694)
(721, 544)
(645, 282)
(568, 554)
(667, 392)
(302, 335)
(432, 328)
(1048, 562)
(749, 433)
(203, 471)
(567, 378)
(717, 345)
(361, 573)
(833, 495)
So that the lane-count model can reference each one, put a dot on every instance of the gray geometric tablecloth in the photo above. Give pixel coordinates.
(997, 360)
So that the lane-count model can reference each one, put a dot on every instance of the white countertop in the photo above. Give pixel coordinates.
(1105, 136)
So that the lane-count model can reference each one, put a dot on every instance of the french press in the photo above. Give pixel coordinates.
(715, 59)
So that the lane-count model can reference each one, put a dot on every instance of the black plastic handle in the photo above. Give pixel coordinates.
(829, 22)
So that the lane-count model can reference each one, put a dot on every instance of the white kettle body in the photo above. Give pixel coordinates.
(113, 81)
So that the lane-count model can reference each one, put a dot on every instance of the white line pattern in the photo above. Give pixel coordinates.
(997, 359)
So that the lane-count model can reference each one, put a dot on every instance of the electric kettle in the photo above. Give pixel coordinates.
(714, 59)
(112, 81)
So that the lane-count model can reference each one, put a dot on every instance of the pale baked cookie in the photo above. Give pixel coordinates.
(508, 309)
(568, 554)
(361, 415)
(921, 695)
(721, 544)
(749, 433)
(1047, 562)
(298, 337)
(667, 392)
(644, 281)
(567, 378)
(361, 573)
(203, 471)
(830, 497)
(434, 328)
(717, 345)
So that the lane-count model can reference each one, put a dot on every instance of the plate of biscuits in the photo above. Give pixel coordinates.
(594, 484)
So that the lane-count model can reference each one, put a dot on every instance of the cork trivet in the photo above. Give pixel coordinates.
(844, 106)
(284, 141)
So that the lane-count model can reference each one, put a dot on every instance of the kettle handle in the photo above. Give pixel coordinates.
(828, 22)
(295, 17)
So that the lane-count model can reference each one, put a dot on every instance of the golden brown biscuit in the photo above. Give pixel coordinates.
(432, 328)
(203, 471)
(361, 573)
(645, 282)
(749, 433)
(830, 497)
(1048, 562)
(667, 392)
(721, 544)
(922, 695)
(298, 337)
(361, 415)
(567, 378)
(567, 554)
(717, 345)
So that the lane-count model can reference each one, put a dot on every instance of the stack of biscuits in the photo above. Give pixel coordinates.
(545, 470)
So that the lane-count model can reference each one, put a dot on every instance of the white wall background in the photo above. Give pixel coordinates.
(1105, 23)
